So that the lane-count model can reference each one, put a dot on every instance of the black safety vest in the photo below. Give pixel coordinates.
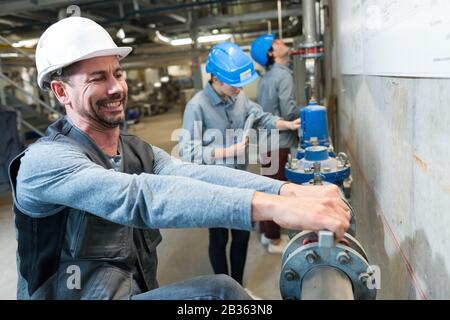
(77, 255)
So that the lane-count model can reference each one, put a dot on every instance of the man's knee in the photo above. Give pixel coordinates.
(228, 288)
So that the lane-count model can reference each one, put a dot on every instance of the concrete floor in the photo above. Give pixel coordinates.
(182, 253)
(8, 246)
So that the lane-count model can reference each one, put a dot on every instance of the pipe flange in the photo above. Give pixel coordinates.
(298, 263)
(311, 50)
(299, 239)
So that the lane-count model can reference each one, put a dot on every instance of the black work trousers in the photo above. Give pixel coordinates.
(218, 239)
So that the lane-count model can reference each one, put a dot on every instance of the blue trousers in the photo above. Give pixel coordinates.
(214, 287)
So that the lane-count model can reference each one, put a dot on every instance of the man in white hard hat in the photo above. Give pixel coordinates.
(88, 199)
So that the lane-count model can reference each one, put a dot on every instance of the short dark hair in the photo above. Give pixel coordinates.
(63, 74)
(211, 79)
(270, 59)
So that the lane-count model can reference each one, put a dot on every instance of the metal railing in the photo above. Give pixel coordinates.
(30, 126)
(39, 101)
(18, 50)
(17, 86)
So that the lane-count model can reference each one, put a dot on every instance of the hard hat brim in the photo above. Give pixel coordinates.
(120, 52)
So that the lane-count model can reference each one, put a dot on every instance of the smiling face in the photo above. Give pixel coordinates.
(96, 92)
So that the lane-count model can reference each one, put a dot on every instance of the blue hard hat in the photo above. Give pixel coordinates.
(260, 48)
(228, 63)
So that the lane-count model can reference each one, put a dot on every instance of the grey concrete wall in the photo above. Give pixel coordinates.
(397, 133)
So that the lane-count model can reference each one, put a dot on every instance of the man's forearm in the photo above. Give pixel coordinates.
(228, 177)
(284, 125)
(220, 175)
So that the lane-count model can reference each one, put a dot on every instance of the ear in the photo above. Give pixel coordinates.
(215, 80)
(60, 91)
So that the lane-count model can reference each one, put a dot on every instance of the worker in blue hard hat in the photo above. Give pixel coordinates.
(275, 95)
(224, 107)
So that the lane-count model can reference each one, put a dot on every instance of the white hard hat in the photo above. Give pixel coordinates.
(70, 40)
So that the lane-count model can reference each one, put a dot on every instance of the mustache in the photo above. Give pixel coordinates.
(114, 98)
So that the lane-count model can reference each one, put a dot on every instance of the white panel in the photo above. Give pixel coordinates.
(408, 38)
(350, 36)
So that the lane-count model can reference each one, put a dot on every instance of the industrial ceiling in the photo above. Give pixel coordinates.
(161, 32)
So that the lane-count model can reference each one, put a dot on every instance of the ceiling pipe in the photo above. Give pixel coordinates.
(133, 13)
(177, 17)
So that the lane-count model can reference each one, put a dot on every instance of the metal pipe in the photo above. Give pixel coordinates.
(136, 9)
(124, 19)
(311, 39)
(280, 21)
(309, 21)
(326, 283)
(196, 63)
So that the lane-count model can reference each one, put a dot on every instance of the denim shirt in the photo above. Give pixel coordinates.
(276, 95)
(55, 175)
(207, 122)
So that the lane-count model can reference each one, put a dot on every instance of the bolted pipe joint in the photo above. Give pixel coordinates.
(364, 278)
(291, 275)
(343, 258)
(311, 256)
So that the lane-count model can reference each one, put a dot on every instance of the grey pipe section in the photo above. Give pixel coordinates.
(326, 283)
(280, 21)
(311, 37)
(309, 21)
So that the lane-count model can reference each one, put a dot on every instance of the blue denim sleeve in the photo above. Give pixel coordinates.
(55, 175)
(166, 165)
(191, 146)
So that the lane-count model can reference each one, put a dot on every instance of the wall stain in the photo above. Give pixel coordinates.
(421, 163)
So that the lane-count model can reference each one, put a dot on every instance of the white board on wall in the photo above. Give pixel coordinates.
(408, 38)
(350, 35)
